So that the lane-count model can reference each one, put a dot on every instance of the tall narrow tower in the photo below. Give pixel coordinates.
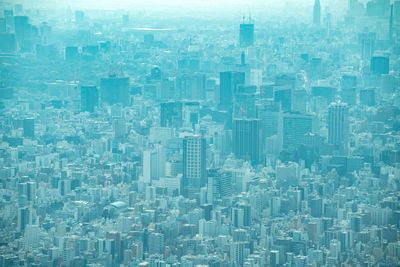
(338, 126)
(194, 166)
(317, 13)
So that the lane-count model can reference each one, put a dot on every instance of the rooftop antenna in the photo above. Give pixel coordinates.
(243, 19)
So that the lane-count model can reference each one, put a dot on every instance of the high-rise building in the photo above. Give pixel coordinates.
(338, 125)
(229, 81)
(237, 253)
(247, 139)
(194, 165)
(24, 218)
(156, 243)
(79, 16)
(29, 127)
(7, 42)
(246, 35)
(114, 90)
(380, 65)
(317, 13)
(153, 163)
(295, 126)
(89, 98)
(22, 27)
(245, 99)
(270, 114)
(191, 86)
(219, 184)
(171, 114)
(119, 127)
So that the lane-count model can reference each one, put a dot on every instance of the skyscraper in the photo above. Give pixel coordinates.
(246, 35)
(89, 98)
(294, 128)
(379, 65)
(338, 125)
(171, 114)
(219, 184)
(24, 218)
(22, 27)
(367, 43)
(153, 163)
(194, 165)
(247, 139)
(29, 127)
(191, 86)
(115, 90)
(229, 81)
(317, 13)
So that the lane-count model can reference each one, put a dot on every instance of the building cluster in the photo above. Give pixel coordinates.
(273, 143)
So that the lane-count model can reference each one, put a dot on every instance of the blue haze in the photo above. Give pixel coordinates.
(200, 133)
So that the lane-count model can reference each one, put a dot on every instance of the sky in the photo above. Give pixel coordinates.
(192, 6)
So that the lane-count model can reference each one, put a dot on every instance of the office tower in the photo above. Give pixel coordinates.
(31, 191)
(247, 139)
(190, 114)
(317, 13)
(219, 184)
(367, 97)
(284, 96)
(295, 126)
(79, 16)
(7, 42)
(243, 58)
(338, 125)
(274, 258)
(191, 86)
(24, 218)
(388, 84)
(114, 90)
(29, 127)
(31, 236)
(71, 53)
(349, 95)
(316, 207)
(156, 243)
(245, 98)
(288, 174)
(348, 81)
(19, 8)
(356, 223)
(171, 114)
(367, 43)
(380, 65)
(119, 127)
(153, 163)
(237, 253)
(194, 165)
(22, 28)
(166, 89)
(246, 34)
(269, 112)
(229, 81)
(89, 98)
